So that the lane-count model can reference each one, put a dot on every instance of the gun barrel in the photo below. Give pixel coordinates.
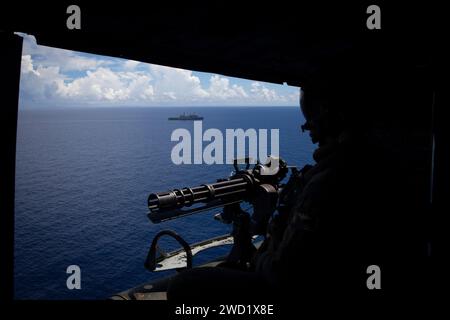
(167, 205)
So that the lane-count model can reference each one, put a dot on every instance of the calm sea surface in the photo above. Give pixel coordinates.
(82, 181)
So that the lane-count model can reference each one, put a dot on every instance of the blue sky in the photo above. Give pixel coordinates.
(53, 77)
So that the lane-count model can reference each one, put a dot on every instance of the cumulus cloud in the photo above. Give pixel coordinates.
(177, 83)
(294, 96)
(27, 64)
(52, 76)
(100, 85)
(130, 64)
(65, 60)
(39, 83)
(262, 93)
(220, 88)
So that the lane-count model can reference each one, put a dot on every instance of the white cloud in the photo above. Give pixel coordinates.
(101, 85)
(39, 83)
(130, 64)
(220, 88)
(295, 96)
(106, 85)
(170, 95)
(177, 83)
(27, 64)
(62, 77)
(66, 60)
(260, 92)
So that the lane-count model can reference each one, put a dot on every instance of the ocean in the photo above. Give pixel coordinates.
(82, 181)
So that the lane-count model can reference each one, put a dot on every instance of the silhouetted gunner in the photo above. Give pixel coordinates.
(335, 218)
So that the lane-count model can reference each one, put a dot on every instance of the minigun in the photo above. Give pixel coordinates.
(259, 186)
(243, 185)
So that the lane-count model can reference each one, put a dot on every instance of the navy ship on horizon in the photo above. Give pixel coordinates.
(184, 116)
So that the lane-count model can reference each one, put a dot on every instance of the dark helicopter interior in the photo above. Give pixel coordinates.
(272, 43)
